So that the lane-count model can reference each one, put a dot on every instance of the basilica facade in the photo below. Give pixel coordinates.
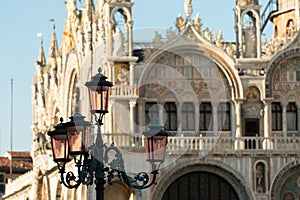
(231, 108)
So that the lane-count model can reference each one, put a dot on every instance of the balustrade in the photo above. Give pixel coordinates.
(123, 91)
(189, 144)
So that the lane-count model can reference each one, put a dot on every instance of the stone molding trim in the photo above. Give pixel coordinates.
(183, 166)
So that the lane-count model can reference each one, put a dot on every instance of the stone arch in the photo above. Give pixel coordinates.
(290, 170)
(118, 190)
(253, 12)
(71, 74)
(221, 61)
(290, 27)
(185, 165)
(274, 63)
(86, 72)
(187, 96)
(73, 94)
(253, 92)
(250, 20)
(45, 194)
(126, 12)
(168, 95)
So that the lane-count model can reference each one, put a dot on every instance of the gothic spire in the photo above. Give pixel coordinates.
(53, 49)
(41, 61)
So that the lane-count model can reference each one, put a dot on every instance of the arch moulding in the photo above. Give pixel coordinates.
(184, 166)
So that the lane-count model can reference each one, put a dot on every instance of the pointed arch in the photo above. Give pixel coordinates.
(70, 77)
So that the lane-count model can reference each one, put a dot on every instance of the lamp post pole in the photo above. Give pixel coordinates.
(98, 161)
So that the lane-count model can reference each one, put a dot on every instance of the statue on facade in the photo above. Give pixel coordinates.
(230, 50)
(158, 40)
(180, 23)
(118, 41)
(170, 35)
(290, 29)
(188, 8)
(220, 40)
(197, 23)
(260, 178)
(249, 34)
(207, 34)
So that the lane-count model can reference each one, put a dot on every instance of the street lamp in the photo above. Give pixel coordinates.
(70, 140)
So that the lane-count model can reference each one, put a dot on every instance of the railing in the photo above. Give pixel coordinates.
(269, 9)
(183, 144)
(123, 91)
(234, 144)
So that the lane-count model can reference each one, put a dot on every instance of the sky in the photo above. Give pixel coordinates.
(19, 46)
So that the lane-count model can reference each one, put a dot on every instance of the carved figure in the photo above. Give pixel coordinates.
(230, 50)
(291, 29)
(180, 23)
(219, 40)
(188, 9)
(158, 40)
(197, 23)
(207, 33)
(118, 43)
(260, 178)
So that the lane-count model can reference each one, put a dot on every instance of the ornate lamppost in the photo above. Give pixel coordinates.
(70, 140)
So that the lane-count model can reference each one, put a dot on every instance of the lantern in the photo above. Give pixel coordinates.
(156, 141)
(78, 134)
(59, 142)
(99, 89)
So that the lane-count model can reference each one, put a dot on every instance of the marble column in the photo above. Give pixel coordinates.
(284, 122)
(215, 117)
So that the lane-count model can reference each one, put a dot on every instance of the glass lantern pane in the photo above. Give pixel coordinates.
(75, 139)
(60, 147)
(105, 98)
(149, 148)
(93, 99)
(98, 99)
(78, 139)
(155, 147)
(159, 147)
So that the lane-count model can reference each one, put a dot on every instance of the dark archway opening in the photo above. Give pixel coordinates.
(200, 185)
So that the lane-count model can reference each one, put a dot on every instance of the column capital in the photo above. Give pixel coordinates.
(132, 103)
(284, 104)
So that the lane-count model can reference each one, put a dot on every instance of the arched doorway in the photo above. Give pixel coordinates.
(200, 185)
(192, 175)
